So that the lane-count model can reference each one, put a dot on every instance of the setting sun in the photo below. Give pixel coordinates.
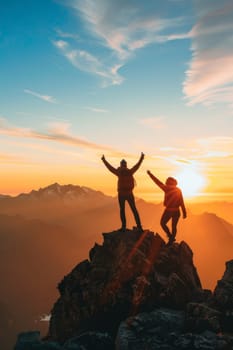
(190, 181)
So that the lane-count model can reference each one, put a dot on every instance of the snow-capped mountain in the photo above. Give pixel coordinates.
(62, 191)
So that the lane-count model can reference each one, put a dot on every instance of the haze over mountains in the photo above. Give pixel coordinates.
(45, 233)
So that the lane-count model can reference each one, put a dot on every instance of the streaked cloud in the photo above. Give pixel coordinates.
(45, 98)
(216, 141)
(66, 35)
(185, 161)
(60, 132)
(87, 62)
(213, 150)
(135, 25)
(118, 28)
(208, 149)
(57, 132)
(209, 79)
(96, 110)
(217, 154)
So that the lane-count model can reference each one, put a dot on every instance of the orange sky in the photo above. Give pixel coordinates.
(159, 81)
(197, 180)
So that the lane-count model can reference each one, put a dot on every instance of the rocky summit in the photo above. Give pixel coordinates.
(136, 292)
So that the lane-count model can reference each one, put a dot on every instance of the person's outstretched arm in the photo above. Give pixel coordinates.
(156, 180)
(183, 207)
(137, 165)
(108, 165)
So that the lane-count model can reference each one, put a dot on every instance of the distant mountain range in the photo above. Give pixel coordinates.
(44, 202)
(46, 232)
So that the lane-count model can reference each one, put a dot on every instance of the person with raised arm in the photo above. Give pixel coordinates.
(173, 201)
(125, 188)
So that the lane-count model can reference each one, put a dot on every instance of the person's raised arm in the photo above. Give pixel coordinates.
(108, 165)
(156, 180)
(137, 165)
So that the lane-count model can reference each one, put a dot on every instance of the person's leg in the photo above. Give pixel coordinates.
(132, 205)
(163, 222)
(121, 200)
(175, 219)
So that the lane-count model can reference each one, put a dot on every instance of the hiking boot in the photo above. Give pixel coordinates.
(138, 228)
(171, 240)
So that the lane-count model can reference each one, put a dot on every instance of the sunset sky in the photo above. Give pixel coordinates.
(82, 78)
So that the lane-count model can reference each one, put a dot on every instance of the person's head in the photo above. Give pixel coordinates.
(171, 181)
(123, 163)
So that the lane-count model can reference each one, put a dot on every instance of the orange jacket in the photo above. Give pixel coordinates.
(173, 198)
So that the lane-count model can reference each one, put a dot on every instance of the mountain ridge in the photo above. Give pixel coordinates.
(55, 189)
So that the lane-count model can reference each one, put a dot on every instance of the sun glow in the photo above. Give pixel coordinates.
(190, 181)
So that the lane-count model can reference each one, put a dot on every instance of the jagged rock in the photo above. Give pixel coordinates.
(151, 330)
(137, 293)
(223, 292)
(129, 273)
(223, 297)
(164, 329)
(201, 317)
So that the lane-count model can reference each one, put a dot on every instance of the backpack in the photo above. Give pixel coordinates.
(126, 180)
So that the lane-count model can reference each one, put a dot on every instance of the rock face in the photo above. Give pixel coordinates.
(223, 292)
(136, 292)
(166, 329)
(130, 273)
(223, 297)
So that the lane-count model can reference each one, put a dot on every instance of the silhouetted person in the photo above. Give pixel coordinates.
(173, 200)
(125, 188)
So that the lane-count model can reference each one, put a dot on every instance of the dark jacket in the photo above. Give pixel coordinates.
(126, 180)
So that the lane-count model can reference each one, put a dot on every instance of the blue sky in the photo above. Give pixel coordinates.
(81, 78)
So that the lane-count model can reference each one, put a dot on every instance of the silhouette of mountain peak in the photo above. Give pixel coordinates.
(56, 190)
(136, 292)
(130, 272)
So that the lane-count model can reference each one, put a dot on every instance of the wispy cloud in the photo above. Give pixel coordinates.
(97, 110)
(60, 133)
(209, 78)
(66, 35)
(216, 142)
(217, 147)
(46, 98)
(119, 28)
(56, 132)
(185, 161)
(135, 25)
(85, 61)
(209, 149)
